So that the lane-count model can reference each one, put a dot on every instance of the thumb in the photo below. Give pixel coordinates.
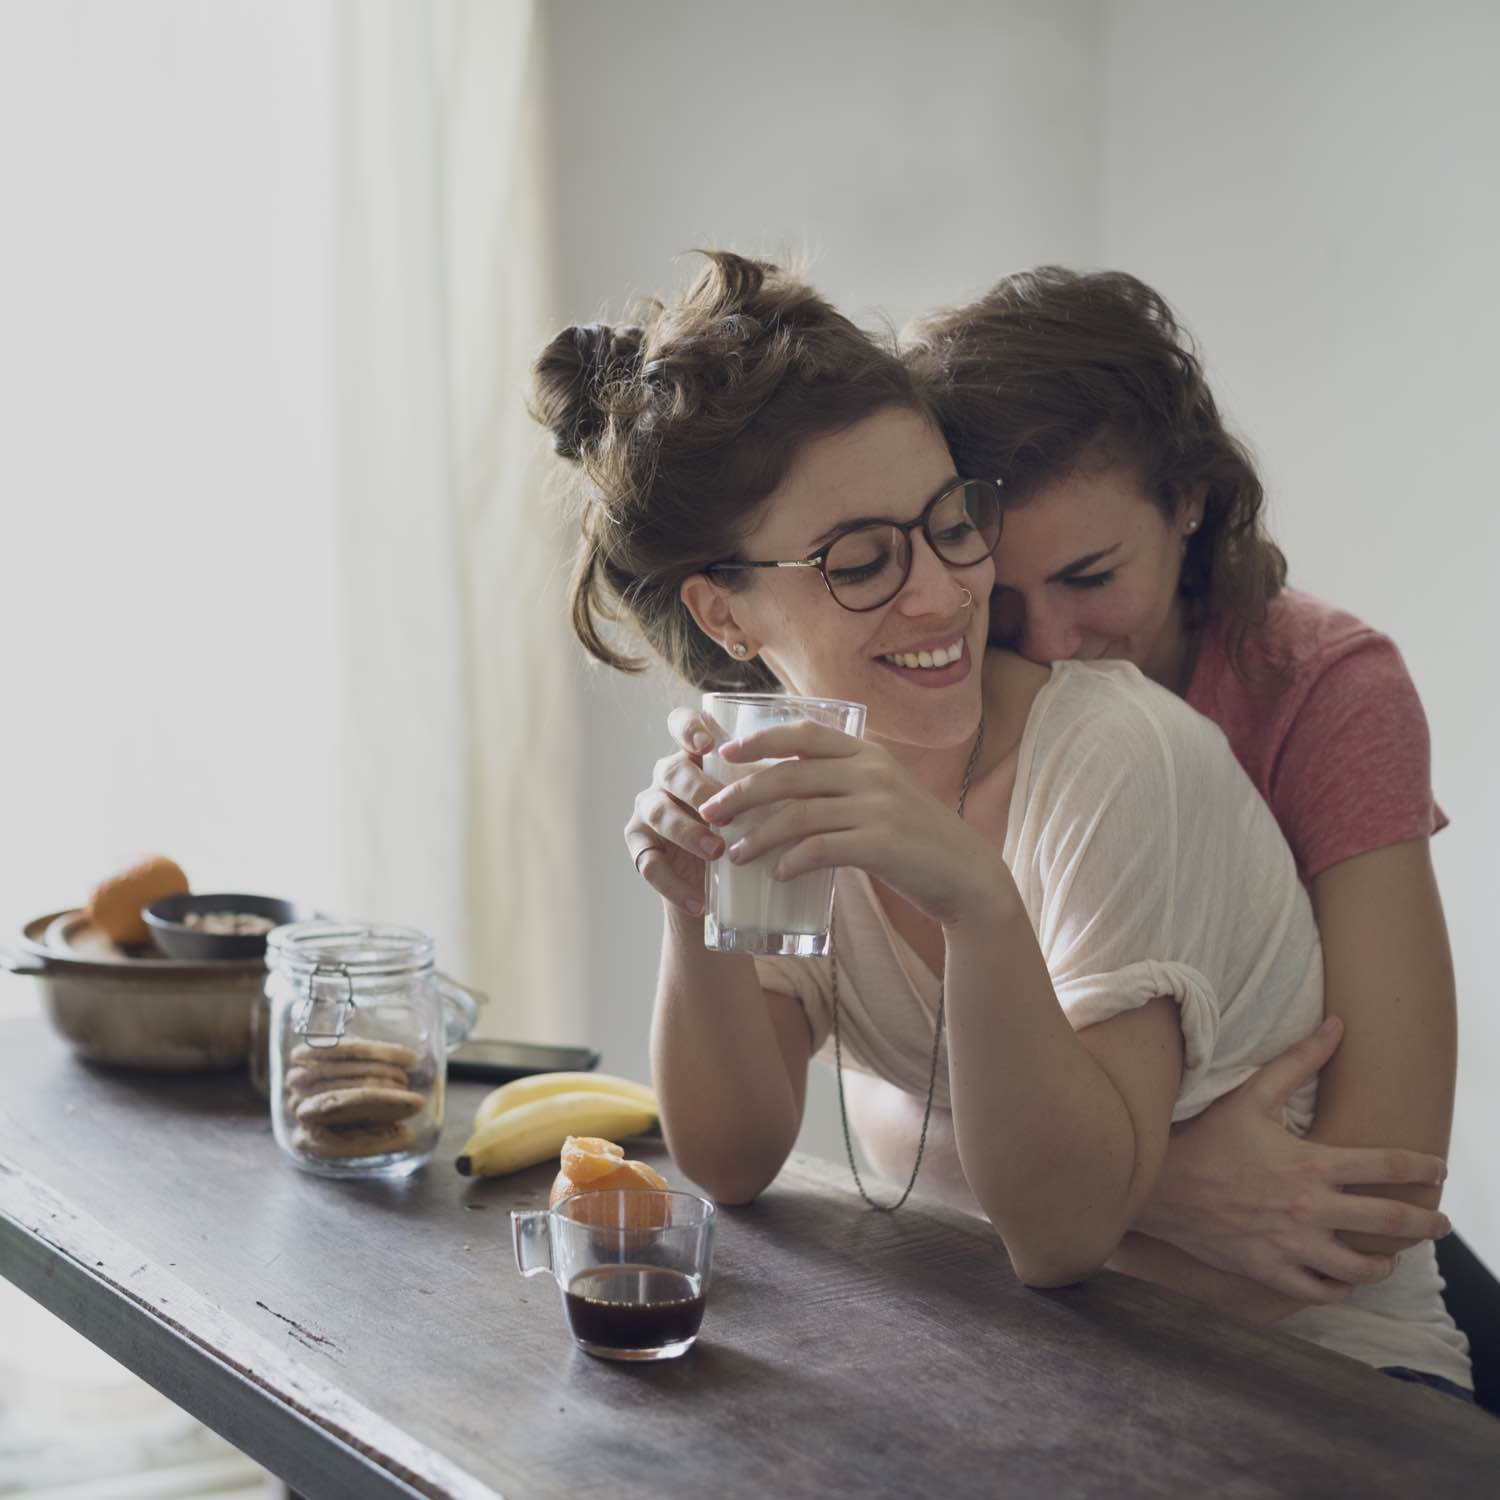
(696, 732)
(1282, 1077)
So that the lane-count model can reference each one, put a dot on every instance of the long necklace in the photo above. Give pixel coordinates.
(937, 1034)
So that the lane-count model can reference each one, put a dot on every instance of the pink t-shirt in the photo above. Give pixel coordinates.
(1329, 728)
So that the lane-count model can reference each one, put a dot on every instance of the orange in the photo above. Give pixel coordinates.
(590, 1165)
(116, 904)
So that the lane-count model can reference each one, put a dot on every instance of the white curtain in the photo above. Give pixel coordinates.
(458, 713)
(282, 596)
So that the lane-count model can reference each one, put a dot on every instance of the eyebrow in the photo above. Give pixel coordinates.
(823, 538)
(1081, 564)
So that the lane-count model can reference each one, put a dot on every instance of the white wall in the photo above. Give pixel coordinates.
(1315, 187)
(914, 151)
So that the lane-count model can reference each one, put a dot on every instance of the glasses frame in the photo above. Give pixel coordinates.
(819, 559)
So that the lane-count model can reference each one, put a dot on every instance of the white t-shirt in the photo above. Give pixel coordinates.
(1148, 865)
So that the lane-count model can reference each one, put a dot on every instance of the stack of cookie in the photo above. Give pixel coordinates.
(353, 1099)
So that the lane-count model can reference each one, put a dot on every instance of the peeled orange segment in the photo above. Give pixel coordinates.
(592, 1166)
(586, 1158)
(624, 1175)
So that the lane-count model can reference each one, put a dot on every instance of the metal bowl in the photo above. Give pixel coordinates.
(114, 1007)
(165, 919)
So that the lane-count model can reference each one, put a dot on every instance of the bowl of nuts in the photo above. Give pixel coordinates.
(206, 927)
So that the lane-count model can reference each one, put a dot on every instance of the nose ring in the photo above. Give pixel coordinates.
(968, 598)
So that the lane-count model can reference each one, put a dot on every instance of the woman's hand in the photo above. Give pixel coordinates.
(667, 839)
(1240, 1192)
(846, 802)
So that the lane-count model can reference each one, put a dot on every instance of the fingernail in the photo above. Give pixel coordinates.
(713, 848)
(1328, 1025)
(702, 742)
(729, 749)
(1446, 1229)
(737, 852)
(694, 906)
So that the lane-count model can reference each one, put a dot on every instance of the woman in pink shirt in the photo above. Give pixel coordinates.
(1133, 530)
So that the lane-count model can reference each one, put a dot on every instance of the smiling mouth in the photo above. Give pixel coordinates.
(944, 656)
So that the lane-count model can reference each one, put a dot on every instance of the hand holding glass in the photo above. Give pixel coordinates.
(746, 909)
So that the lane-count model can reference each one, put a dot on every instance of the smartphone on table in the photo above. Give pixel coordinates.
(500, 1062)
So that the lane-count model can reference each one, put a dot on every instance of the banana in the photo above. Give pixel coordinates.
(531, 1133)
(544, 1085)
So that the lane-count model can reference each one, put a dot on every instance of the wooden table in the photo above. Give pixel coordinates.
(374, 1340)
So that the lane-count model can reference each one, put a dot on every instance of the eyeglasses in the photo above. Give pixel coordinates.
(868, 564)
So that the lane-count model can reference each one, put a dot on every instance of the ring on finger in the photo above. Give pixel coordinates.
(641, 853)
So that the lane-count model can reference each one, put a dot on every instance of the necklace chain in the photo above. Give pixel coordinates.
(937, 1034)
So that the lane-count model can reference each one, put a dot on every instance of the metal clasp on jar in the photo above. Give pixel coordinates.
(321, 1019)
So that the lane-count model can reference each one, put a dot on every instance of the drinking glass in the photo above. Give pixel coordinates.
(746, 909)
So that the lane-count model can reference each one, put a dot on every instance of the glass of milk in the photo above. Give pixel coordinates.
(746, 910)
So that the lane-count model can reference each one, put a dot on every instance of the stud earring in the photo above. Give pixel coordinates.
(739, 650)
(1192, 526)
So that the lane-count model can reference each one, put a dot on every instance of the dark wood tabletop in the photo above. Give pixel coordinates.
(372, 1340)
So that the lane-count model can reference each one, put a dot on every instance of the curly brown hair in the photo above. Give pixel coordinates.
(1053, 369)
(682, 426)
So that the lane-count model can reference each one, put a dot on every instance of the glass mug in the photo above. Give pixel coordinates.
(745, 908)
(632, 1265)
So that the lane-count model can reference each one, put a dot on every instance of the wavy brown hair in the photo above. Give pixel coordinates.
(681, 426)
(1052, 370)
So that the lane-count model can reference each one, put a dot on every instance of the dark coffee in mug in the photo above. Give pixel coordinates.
(633, 1307)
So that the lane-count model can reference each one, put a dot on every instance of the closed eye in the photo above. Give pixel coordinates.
(857, 574)
(1090, 580)
(960, 531)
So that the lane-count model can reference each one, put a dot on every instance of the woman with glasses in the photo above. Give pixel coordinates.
(1133, 530)
(1064, 918)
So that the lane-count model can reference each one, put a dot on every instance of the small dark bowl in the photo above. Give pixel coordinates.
(164, 918)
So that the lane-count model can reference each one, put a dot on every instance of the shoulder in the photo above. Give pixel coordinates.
(1104, 700)
(1303, 641)
(1335, 668)
(1105, 724)
(1134, 806)
(1306, 660)
(1301, 628)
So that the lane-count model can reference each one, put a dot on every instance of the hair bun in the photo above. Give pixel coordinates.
(571, 375)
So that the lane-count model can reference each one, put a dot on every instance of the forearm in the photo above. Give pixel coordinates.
(1154, 1260)
(730, 1112)
(1389, 978)
(1046, 1140)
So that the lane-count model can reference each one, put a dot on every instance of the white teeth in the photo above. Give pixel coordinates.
(944, 656)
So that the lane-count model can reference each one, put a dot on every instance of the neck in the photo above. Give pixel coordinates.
(1170, 661)
(941, 771)
(1009, 684)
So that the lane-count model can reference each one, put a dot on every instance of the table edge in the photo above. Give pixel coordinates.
(282, 1415)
